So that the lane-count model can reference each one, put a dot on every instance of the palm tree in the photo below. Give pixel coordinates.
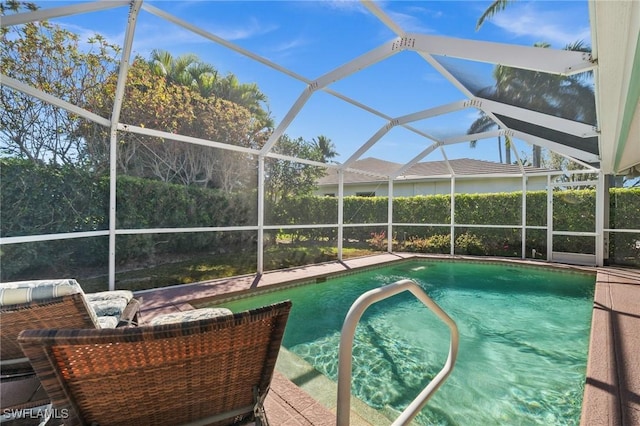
(247, 95)
(483, 124)
(562, 96)
(324, 145)
(495, 7)
(186, 70)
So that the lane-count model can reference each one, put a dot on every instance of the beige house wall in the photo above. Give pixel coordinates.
(432, 186)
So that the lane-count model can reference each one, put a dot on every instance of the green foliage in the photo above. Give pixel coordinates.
(536, 208)
(486, 209)
(48, 57)
(284, 256)
(574, 210)
(286, 179)
(422, 208)
(624, 248)
(379, 241)
(439, 244)
(468, 243)
(625, 208)
(40, 200)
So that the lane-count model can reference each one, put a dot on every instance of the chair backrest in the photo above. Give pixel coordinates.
(217, 369)
(68, 311)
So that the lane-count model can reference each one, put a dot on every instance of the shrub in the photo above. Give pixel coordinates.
(379, 241)
(439, 244)
(467, 243)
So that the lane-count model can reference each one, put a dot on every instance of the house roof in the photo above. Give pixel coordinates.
(423, 170)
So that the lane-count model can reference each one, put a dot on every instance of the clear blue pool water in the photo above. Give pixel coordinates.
(523, 339)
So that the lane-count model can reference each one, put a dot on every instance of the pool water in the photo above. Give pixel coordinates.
(523, 339)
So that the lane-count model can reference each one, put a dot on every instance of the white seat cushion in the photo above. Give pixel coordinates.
(18, 292)
(109, 295)
(111, 307)
(192, 315)
(108, 321)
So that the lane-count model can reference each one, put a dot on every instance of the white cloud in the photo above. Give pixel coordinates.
(289, 45)
(247, 30)
(409, 23)
(555, 26)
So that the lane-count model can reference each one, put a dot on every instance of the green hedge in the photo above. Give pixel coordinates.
(38, 199)
(624, 214)
(46, 200)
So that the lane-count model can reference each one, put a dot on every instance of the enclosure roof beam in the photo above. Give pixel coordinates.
(386, 20)
(415, 160)
(574, 154)
(123, 69)
(182, 138)
(206, 34)
(554, 61)
(474, 137)
(420, 115)
(368, 144)
(373, 56)
(303, 161)
(539, 59)
(50, 99)
(214, 144)
(433, 112)
(559, 124)
(58, 12)
(303, 97)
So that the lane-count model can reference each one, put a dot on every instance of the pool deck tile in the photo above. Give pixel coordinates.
(179, 298)
(287, 405)
(612, 390)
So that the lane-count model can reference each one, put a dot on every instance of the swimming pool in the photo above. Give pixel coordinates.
(523, 339)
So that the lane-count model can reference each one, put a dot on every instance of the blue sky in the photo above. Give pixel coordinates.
(312, 38)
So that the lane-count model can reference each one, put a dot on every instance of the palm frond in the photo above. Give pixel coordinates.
(494, 8)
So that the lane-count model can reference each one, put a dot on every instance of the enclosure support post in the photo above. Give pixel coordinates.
(340, 212)
(549, 220)
(260, 239)
(113, 139)
(390, 217)
(452, 243)
(523, 234)
(609, 181)
(601, 199)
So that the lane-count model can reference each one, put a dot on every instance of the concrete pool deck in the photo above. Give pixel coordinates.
(612, 389)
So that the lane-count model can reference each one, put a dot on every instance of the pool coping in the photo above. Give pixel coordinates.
(612, 388)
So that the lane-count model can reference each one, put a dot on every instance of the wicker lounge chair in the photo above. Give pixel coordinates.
(48, 304)
(55, 304)
(214, 371)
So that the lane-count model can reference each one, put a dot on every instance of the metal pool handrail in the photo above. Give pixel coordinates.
(346, 349)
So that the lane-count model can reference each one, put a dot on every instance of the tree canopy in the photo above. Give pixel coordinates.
(181, 95)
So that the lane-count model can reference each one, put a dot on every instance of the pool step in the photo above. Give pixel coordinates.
(325, 391)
